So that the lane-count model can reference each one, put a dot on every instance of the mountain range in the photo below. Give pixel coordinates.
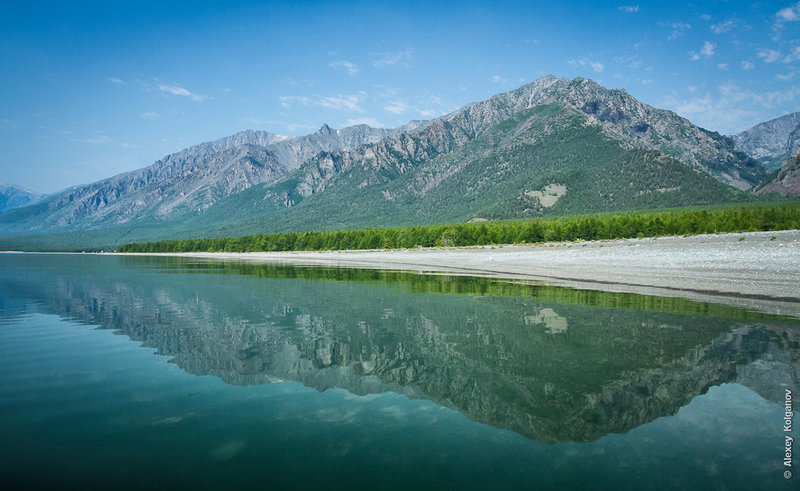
(554, 146)
(12, 196)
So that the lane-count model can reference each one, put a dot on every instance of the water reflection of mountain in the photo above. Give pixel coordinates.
(552, 364)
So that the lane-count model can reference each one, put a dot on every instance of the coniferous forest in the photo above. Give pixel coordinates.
(779, 216)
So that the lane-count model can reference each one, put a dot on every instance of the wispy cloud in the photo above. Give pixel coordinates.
(794, 55)
(101, 139)
(428, 113)
(178, 90)
(732, 108)
(748, 65)
(722, 66)
(769, 55)
(95, 140)
(633, 61)
(647, 81)
(595, 65)
(342, 102)
(784, 15)
(346, 102)
(397, 58)
(149, 115)
(629, 8)
(396, 107)
(707, 50)
(288, 100)
(116, 81)
(789, 14)
(351, 68)
(678, 29)
(723, 27)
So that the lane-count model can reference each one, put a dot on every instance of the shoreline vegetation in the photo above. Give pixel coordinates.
(606, 226)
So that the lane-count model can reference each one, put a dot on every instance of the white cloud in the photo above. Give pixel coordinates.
(633, 61)
(707, 50)
(428, 113)
(287, 100)
(116, 81)
(769, 55)
(595, 65)
(722, 66)
(149, 115)
(732, 108)
(793, 56)
(351, 68)
(341, 103)
(647, 81)
(678, 29)
(784, 15)
(789, 14)
(99, 139)
(723, 27)
(495, 79)
(397, 58)
(396, 107)
(178, 90)
(784, 76)
(747, 65)
(629, 8)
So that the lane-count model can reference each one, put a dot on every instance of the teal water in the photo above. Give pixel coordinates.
(144, 372)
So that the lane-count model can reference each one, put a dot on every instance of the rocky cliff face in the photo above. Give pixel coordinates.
(772, 142)
(621, 116)
(12, 196)
(640, 125)
(786, 180)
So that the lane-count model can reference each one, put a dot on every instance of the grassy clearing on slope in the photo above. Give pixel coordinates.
(782, 216)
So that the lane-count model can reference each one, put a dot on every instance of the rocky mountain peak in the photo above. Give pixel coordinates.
(771, 142)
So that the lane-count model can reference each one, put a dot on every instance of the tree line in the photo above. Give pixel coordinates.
(568, 228)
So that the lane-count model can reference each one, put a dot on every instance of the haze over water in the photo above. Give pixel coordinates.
(156, 372)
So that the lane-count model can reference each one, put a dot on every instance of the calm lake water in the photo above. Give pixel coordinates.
(172, 372)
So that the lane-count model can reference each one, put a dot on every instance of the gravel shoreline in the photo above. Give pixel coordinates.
(756, 270)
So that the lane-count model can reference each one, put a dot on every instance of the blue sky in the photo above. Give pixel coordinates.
(92, 89)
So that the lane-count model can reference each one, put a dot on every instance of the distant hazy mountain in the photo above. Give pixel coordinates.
(785, 180)
(550, 147)
(772, 142)
(183, 183)
(12, 196)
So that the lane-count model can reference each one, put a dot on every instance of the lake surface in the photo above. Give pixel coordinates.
(174, 372)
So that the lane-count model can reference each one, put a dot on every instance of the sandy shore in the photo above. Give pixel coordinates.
(759, 270)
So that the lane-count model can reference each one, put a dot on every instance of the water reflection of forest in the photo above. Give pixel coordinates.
(553, 364)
